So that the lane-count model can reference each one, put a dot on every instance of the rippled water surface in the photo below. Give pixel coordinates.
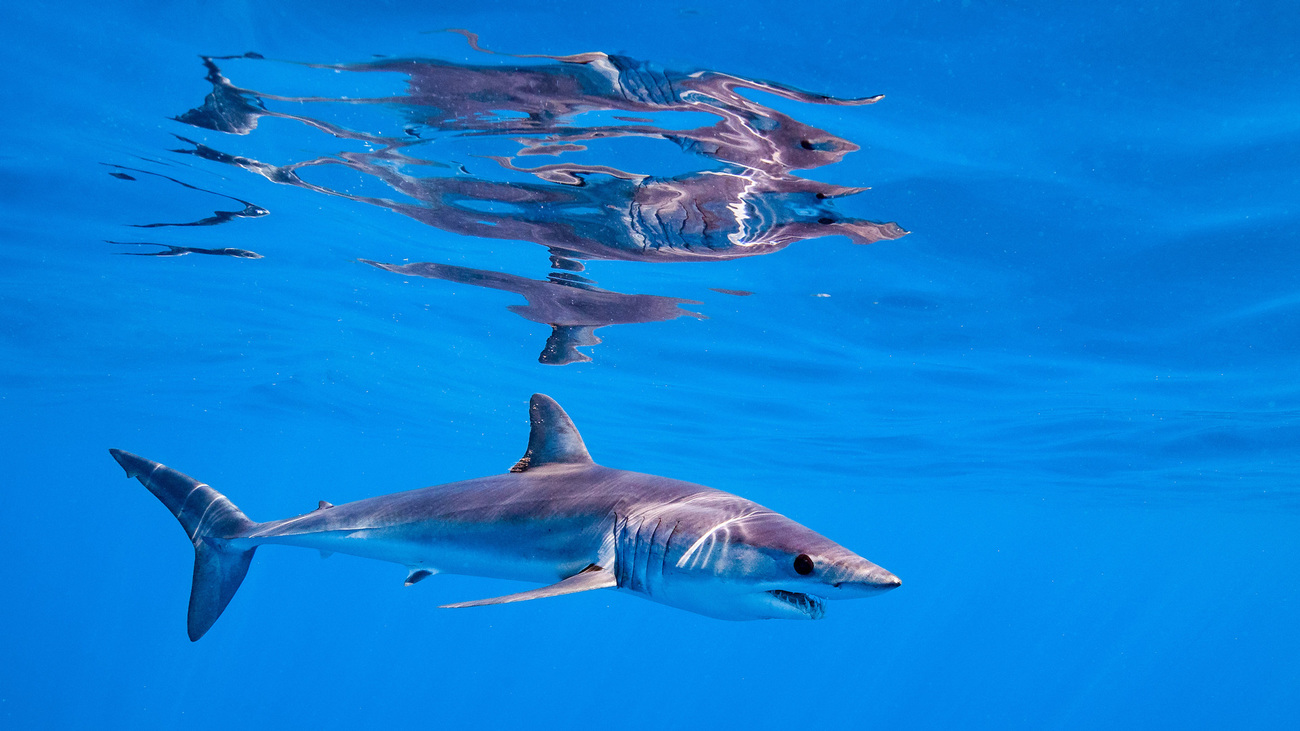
(1003, 297)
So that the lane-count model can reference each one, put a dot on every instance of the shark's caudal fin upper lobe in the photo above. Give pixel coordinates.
(210, 520)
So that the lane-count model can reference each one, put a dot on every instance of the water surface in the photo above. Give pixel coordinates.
(1023, 330)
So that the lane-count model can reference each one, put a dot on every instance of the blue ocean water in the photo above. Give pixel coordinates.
(1063, 407)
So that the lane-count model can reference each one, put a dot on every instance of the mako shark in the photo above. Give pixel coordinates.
(556, 518)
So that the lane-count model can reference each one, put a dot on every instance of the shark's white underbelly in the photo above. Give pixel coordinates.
(541, 551)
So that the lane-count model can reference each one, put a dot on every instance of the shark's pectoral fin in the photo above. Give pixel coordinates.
(592, 577)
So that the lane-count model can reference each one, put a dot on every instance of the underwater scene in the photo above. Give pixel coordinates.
(554, 364)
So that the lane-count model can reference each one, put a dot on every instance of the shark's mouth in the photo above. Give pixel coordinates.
(810, 605)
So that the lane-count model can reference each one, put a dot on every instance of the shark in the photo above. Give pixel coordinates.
(556, 518)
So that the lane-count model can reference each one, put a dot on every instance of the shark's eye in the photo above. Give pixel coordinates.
(803, 565)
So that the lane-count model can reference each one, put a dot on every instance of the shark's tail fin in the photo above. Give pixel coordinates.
(210, 520)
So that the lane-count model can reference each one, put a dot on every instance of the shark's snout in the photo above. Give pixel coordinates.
(867, 581)
(881, 579)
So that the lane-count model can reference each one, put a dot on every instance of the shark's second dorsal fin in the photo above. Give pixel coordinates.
(553, 439)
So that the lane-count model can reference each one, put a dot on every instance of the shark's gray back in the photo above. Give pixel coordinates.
(555, 492)
(553, 520)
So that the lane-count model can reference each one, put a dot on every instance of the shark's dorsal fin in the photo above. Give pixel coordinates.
(553, 439)
(592, 577)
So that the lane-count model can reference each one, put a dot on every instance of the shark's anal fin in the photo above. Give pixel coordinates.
(592, 577)
(553, 439)
(417, 575)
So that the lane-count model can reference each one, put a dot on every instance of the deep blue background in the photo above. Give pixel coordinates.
(1064, 409)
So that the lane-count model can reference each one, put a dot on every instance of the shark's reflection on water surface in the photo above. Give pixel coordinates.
(570, 304)
(439, 157)
(709, 215)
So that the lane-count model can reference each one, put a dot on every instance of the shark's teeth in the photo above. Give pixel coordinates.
(810, 605)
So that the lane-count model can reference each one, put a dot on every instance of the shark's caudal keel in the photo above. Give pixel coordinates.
(556, 518)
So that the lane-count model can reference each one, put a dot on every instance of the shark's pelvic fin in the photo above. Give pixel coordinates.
(553, 438)
(209, 520)
(417, 575)
(592, 577)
